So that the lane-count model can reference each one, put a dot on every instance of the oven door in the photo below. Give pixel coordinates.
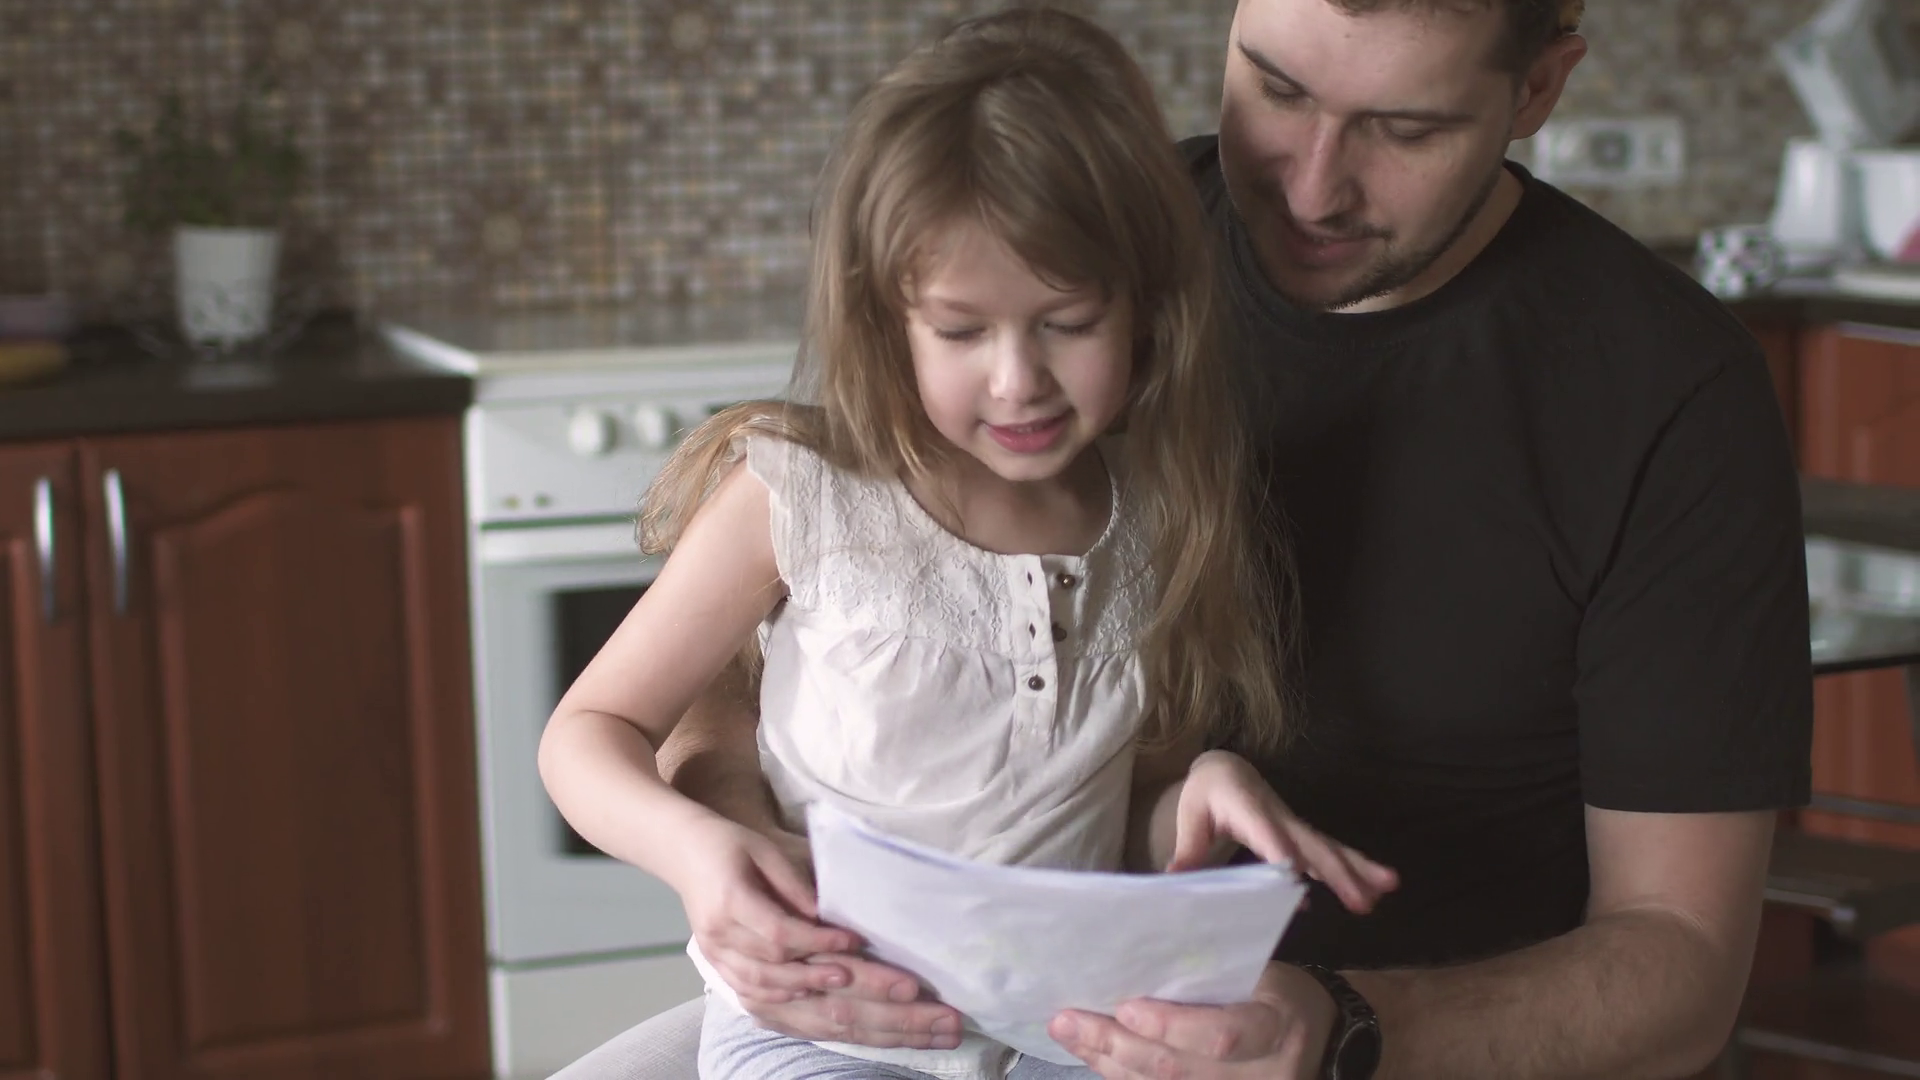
(547, 598)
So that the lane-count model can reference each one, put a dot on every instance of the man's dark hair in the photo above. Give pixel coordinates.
(1530, 25)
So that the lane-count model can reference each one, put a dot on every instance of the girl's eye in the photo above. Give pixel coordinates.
(956, 335)
(1079, 329)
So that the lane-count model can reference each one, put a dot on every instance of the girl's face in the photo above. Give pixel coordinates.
(1018, 374)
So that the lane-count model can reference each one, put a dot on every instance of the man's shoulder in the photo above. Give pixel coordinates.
(1202, 155)
(1598, 284)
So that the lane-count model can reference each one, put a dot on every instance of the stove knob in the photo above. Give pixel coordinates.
(590, 432)
(656, 426)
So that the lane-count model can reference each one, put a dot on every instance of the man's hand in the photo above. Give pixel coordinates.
(1279, 1035)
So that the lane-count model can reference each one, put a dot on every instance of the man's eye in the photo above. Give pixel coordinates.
(1280, 95)
(1408, 134)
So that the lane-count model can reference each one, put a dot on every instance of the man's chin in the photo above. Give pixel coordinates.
(1326, 292)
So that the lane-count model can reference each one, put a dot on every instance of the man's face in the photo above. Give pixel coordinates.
(1359, 148)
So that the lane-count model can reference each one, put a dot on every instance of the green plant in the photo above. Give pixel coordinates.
(243, 177)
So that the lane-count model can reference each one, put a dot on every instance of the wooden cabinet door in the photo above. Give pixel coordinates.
(1860, 414)
(287, 783)
(52, 990)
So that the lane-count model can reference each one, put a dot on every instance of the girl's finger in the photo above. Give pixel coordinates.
(1262, 833)
(786, 882)
(1192, 836)
(776, 983)
(1330, 864)
(782, 935)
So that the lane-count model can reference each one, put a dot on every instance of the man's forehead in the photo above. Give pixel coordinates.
(1399, 49)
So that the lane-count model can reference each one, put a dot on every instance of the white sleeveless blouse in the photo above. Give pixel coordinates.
(984, 704)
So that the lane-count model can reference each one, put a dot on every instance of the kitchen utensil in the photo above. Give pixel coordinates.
(1890, 201)
(1737, 260)
(1815, 210)
(1880, 281)
(1854, 72)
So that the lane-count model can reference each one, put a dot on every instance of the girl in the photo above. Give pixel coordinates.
(1003, 576)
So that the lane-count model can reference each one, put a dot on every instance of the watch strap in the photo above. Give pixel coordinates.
(1354, 1013)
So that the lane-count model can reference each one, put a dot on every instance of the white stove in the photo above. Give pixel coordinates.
(573, 417)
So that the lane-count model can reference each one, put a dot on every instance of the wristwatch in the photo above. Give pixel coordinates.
(1353, 1047)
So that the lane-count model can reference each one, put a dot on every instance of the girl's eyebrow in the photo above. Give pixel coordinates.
(964, 308)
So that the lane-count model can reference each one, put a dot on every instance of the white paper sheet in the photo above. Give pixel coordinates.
(1011, 946)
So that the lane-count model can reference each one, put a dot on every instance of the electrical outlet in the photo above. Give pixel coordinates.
(1623, 152)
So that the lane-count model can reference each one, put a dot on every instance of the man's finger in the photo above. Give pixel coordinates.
(1232, 1033)
(872, 981)
(1113, 1051)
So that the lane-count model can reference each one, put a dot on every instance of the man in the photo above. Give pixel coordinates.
(1547, 536)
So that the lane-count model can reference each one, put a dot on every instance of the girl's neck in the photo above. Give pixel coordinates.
(1062, 515)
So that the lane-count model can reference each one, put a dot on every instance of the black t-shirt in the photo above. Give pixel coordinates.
(1548, 540)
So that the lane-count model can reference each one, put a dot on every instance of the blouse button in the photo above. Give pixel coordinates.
(1036, 683)
(1067, 581)
(1059, 632)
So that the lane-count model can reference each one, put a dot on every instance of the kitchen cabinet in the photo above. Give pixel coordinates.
(1860, 415)
(52, 993)
(285, 883)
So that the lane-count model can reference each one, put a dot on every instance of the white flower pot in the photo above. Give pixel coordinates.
(223, 283)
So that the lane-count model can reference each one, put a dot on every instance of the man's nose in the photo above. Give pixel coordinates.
(1319, 183)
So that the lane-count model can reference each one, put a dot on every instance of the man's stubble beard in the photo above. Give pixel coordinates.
(1390, 272)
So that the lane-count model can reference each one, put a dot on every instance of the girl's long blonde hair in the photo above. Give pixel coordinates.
(1037, 124)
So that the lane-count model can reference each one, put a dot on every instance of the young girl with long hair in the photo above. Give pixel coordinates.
(1001, 578)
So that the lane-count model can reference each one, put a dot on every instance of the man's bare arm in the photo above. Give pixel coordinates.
(1649, 987)
(713, 757)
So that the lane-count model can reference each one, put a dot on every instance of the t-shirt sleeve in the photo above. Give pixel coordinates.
(1695, 687)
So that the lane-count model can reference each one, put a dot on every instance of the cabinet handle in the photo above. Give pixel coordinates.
(117, 537)
(43, 545)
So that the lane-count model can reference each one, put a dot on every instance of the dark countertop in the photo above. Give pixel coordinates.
(1807, 302)
(1861, 513)
(333, 371)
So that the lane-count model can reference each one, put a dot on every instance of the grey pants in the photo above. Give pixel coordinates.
(667, 1047)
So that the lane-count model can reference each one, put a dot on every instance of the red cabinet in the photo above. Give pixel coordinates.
(285, 883)
(1860, 416)
(53, 1015)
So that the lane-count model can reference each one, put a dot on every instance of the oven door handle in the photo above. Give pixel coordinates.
(520, 545)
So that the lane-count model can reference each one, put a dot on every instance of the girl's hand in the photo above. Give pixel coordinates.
(1225, 800)
(753, 914)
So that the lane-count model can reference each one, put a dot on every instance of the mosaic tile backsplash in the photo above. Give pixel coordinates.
(508, 154)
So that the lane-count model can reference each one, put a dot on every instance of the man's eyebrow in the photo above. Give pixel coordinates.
(1274, 71)
(1264, 63)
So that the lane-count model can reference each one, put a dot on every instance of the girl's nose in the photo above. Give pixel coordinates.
(1019, 369)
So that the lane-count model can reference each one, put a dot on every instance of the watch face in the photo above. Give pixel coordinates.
(1359, 1053)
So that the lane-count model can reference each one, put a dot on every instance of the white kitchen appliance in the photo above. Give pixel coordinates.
(573, 416)
(1859, 81)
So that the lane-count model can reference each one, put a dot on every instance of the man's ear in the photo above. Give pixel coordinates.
(1545, 79)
